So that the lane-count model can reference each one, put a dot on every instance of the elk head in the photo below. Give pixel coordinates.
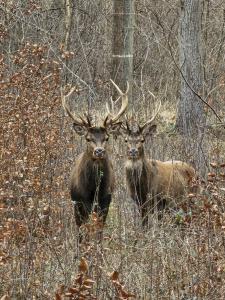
(135, 135)
(97, 136)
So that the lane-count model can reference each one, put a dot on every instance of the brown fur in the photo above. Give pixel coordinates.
(92, 181)
(153, 183)
(165, 183)
(92, 176)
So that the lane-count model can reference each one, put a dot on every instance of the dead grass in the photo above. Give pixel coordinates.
(40, 257)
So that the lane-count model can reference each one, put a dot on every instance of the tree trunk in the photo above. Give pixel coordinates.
(68, 21)
(122, 43)
(191, 117)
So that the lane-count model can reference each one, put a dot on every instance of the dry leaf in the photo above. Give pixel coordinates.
(191, 195)
(57, 296)
(83, 267)
(214, 165)
(127, 295)
(212, 174)
(79, 279)
(73, 290)
(68, 294)
(88, 281)
(114, 275)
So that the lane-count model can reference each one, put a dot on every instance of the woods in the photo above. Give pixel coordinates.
(170, 52)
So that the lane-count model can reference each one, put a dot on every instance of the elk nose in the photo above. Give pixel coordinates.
(133, 152)
(99, 152)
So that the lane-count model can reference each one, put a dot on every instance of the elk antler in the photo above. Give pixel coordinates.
(78, 121)
(112, 104)
(110, 118)
(127, 126)
(153, 118)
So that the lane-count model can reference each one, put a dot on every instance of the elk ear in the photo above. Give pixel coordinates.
(80, 130)
(149, 129)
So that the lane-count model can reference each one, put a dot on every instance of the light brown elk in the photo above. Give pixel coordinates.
(152, 184)
(92, 177)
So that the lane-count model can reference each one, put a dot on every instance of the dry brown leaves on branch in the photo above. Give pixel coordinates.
(120, 289)
(81, 288)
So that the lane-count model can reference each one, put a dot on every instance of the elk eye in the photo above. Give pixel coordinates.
(107, 138)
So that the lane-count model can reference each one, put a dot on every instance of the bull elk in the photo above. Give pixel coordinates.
(92, 176)
(152, 183)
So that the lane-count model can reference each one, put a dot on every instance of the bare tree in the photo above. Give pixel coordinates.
(191, 118)
(122, 44)
(68, 20)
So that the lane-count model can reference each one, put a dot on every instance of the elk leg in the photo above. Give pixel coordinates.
(82, 210)
(161, 204)
(143, 209)
(103, 206)
(144, 216)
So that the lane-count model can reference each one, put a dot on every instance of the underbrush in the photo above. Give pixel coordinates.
(183, 257)
(41, 259)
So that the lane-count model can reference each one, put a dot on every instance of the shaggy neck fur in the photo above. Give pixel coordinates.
(140, 175)
(92, 173)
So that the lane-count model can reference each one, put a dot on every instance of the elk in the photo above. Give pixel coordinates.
(92, 177)
(152, 184)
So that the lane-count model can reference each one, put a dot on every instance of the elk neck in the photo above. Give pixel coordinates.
(141, 168)
(89, 172)
(93, 163)
(135, 167)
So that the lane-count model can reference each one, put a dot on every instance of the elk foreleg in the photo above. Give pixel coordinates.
(144, 214)
(103, 207)
(143, 207)
(82, 210)
(161, 204)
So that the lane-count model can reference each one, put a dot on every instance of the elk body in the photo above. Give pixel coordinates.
(152, 184)
(92, 176)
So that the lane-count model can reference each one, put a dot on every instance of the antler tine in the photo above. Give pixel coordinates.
(107, 106)
(127, 125)
(154, 116)
(119, 90)
(88, 117)
(64, 97)
(112, 105)
(124, 97)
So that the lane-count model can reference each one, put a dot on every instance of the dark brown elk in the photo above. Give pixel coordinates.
(92, 177)
(152, 184)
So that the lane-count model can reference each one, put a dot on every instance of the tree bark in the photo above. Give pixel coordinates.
(68, 21)
(122, 43)
(191, 117)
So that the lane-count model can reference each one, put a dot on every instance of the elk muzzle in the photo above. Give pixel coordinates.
(133, 153)
(99, 153)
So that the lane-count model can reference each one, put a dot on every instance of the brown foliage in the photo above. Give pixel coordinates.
(30, 141)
